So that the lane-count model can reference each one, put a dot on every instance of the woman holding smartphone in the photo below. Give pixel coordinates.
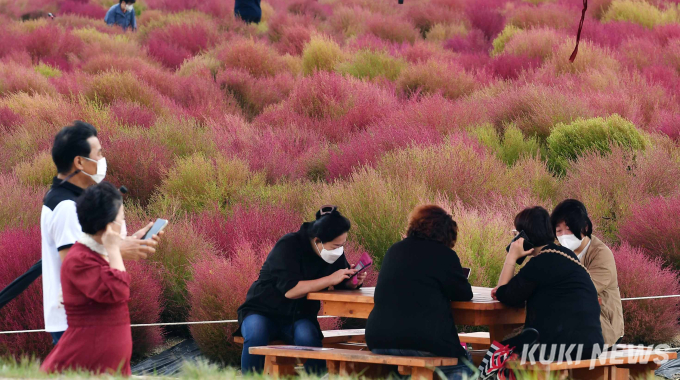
(276, 307)
(561, 300)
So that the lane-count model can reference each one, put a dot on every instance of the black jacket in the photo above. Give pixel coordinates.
(561, 299)
(417, 282)
(292, 260)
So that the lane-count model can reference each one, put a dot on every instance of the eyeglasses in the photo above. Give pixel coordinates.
(327, 209)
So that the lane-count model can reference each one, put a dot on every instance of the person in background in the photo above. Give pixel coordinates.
(80, 164)
(561, 300)
(276, 307)
(96, 290)
(248, 10)
(574, 230)
(418, 279)
(122, 14)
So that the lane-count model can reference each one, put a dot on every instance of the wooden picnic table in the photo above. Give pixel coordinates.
(482, 310)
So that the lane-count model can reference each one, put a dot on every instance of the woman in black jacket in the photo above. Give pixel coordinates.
(561, 300)
(419, 278)
(276, 307)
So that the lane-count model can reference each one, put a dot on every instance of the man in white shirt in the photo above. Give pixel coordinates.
(77, 154)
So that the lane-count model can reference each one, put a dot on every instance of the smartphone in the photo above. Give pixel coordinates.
(155, 229)
(466, 272)
(364, 262)
(527, 245)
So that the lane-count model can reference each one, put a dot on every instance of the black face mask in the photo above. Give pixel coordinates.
(526, 246)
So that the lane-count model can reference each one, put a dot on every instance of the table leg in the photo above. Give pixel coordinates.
(420, 373)
(500, 332)
(618, 373)
(278, 367)
(597, 373)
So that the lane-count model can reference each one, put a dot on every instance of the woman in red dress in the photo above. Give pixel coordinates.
(96, 290)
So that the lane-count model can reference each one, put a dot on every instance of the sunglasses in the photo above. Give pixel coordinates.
(327, 209)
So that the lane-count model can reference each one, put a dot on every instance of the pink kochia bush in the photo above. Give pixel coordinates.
(653, 226)
(140, 170)
(332, 105)
(177, 42)
(260, 225)
(146, 305)
(218, 288)
(369, 145)
(19, 250)
(647, 321)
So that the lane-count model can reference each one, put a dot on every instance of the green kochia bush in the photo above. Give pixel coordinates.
(371, 65)
(511, 146)
(568, 141)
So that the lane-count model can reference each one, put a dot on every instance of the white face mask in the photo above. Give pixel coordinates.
(123, 229)
(569, 241)
(101, 170)
(330, 256)
(129, 8)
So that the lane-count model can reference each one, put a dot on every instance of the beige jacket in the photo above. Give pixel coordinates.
(599, 261)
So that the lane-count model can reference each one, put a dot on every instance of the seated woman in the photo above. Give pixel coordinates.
(561, 300)
(302, 262)
(419, 278)
(96, 290)
(574, 229)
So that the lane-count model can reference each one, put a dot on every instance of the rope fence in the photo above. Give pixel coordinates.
(236, 321)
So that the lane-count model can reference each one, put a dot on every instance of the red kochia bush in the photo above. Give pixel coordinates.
(174, 43)
(139, 169)
(53, 45)
(647, 321)
(218, 288)
(19, 250)
(331, 105)
(368, 146)
(507, 66)
(82, 8)
(654, 227)
(260, 225)
(132, 114)
(146, 305)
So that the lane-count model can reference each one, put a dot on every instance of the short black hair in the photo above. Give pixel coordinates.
(127, 1)
(574, 214)
(98, 206)
(329, 226)
(70, 143)
(535, 222)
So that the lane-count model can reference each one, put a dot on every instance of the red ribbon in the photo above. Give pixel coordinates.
(578, 35)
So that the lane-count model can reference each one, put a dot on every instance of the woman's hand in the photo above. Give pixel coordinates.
(361, 277)
(493, 293)
(517, 250)
(341, 275)
(111, 240)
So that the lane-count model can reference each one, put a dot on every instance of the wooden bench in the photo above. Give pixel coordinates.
(281, 361)
(476, 339)
(331, 338)
(612, 365)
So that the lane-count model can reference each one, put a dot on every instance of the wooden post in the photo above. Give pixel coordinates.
(597, 373)
(277, 367)
(419, 373)
(618, 373)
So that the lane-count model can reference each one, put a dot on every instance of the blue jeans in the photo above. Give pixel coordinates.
(459, 371)
(56, 336)
(258, 330)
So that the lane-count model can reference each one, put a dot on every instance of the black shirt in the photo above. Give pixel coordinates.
(417, 282)
(293, 259)
(561, 299)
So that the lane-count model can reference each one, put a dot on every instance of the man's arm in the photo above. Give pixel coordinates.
(63, 253)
